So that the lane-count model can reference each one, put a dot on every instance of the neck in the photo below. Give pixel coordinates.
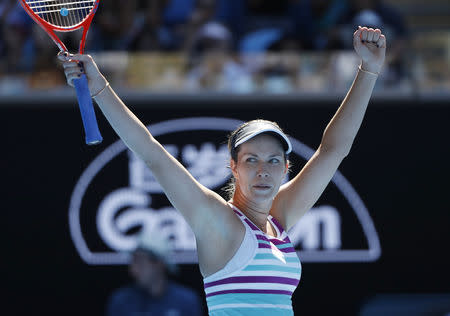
(256, 212)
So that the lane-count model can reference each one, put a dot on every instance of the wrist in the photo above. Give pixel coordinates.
(373, 74)
(370, 67)
(98, 85)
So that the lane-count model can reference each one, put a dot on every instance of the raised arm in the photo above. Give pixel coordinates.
(301, 193)
(197, 204)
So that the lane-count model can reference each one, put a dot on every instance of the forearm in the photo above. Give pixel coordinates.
(343, 127)
(129, 128)
(123, 121)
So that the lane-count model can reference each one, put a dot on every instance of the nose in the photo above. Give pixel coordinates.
(262, 171)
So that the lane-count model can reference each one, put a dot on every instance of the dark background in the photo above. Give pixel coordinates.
(399, 165)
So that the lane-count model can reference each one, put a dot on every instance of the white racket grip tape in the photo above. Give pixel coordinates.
(93, 135)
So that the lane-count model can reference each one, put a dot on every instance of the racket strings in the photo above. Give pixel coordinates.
(62, 13)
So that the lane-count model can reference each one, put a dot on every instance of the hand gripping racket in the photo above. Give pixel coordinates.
(67, 16)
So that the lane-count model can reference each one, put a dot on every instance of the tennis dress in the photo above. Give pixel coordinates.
(259, 279)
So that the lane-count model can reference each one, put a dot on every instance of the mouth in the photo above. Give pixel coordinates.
(262, 186)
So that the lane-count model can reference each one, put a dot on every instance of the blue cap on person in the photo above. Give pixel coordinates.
(157, 247)
(256, 127)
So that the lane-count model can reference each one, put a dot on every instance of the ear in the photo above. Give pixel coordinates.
(286, 167)
(233, 167)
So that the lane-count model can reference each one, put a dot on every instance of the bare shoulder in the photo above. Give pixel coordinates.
(217, 215)
(220, 238)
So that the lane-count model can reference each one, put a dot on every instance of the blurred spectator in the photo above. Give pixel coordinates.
(177, 12)
(117, 23)
(211, 36)
(152, 292)
(261, 40)
(212, 64)
(133, 25)
(279, 72)
(314, 24)
(156, 34)
(209, 45)
(203, 13)
(233, 14)
(378, 14)
(15, 32)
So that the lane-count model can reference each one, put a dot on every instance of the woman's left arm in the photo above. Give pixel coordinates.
(301, 193)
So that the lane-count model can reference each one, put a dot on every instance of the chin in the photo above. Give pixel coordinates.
(263, 196)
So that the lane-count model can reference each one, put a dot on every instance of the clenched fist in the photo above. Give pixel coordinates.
(370, 45)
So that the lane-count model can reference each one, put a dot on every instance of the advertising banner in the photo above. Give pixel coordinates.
(72, 212)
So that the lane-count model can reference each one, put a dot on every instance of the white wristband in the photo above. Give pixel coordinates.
(369, 72)
(103, 89)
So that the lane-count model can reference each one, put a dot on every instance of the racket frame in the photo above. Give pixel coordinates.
(51, 28)
(92, 133)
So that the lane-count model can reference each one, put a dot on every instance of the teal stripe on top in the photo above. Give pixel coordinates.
(287, 245)
(267, 256)
(267, 267)
(252, 312)
(232, 298)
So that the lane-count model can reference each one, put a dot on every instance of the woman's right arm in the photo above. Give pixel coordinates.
(197, 204)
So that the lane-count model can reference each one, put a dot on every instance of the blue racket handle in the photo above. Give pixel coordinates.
(93, 135)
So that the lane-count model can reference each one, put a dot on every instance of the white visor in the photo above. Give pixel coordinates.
(255, 129)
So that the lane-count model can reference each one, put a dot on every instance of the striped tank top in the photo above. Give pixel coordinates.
(259, 279)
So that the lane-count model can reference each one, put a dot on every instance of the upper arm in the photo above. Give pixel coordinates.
(297, 196)
(216, 228)
(198, 204)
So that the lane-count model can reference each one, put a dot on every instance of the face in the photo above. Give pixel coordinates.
(260, 168)
(144, 268)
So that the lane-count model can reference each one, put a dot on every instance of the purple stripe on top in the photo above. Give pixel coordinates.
(287, 250)
(252, 226)
(254, 279)
(277, 241)
(261, 245)
(261, 237)
(250, 291)
(280, 228)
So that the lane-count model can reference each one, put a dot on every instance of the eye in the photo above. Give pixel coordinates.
(274, 160)
(250, 159)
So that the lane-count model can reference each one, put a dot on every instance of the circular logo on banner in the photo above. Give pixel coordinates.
(117, 196)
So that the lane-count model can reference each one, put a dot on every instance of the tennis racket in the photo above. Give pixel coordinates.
(67, 16)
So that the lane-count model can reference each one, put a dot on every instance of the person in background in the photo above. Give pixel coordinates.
(132, 25)
(203, 14)
(155, 34)
(379, 14)
(314, 24)
(212, 65)
(152, 292)
(15, 38)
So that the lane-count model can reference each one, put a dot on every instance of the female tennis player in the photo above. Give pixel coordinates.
(246, 258)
